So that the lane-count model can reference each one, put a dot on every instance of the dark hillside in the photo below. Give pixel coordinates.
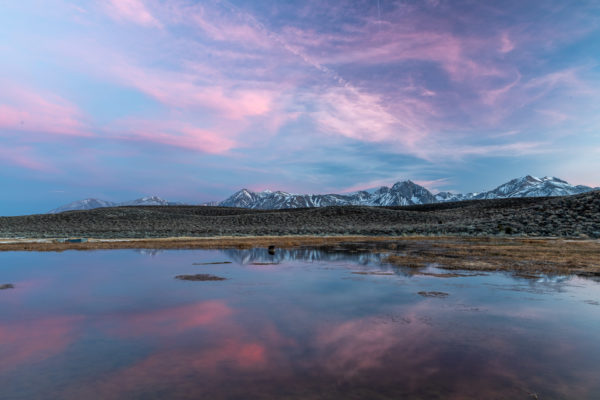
(571, 216)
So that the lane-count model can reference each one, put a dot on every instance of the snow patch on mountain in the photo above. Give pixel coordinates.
(89, 204)
(86, 204)
(402, 193)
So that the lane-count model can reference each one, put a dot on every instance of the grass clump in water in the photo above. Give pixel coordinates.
(433, 294)
(200, 277)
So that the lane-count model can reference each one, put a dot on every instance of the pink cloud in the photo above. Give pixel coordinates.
(359, 115)
(354, 114)
(451, 52)
(232, 30)
(554, 116)
(131, 10)
(506, 45)
(175, 134)
(23, 157)
(24, 110)
(186, 90)
(491, 96)
(368, 185)
(432, 183)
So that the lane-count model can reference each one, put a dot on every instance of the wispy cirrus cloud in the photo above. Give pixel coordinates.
(303, 85)
(24, 157)
(175, 134)
(132, 11)
(27, 110)
(183, 89)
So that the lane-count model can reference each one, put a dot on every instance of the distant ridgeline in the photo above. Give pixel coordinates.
(400, 194)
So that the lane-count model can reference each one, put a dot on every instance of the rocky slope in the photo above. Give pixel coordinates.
(568, 216)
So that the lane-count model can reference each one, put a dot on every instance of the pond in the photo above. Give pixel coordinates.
(297, 324)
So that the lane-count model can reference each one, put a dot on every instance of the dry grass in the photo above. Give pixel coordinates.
(242, 242)
(581, 257)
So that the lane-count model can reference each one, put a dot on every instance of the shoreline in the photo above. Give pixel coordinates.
(525, 255)
(185, 242)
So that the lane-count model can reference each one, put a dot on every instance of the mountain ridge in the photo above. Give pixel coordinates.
(91, 203)
(401, 193)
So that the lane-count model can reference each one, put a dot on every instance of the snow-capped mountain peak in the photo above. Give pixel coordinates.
(85, 204)
(401, 193)
(146, 201)
(89, 204)
(532, 186)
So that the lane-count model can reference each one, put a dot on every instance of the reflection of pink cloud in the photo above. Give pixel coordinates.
(35, 340)
(131, 10)
(25, 110)
(198, 341)
(172, 321)
(357, 345)
(180, 372)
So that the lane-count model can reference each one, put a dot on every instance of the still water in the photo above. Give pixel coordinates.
(117, 325)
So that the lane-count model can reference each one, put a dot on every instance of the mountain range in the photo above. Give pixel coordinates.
(89, 204)
(402, 193)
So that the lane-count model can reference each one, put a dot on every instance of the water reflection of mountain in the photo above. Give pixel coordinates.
(248, 256)
(149, 252)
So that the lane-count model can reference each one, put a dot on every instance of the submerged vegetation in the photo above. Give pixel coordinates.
(433, 294)
(212, 263)
(200, 277)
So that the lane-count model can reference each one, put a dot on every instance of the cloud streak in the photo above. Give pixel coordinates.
(293, 91)
(26, 110)
(132, 11)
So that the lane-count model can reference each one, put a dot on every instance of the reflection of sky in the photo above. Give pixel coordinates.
(193, 100)
(115, 324)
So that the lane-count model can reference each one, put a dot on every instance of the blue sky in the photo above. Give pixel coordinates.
(192, 101)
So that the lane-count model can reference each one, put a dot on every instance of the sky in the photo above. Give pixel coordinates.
(194, 100)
